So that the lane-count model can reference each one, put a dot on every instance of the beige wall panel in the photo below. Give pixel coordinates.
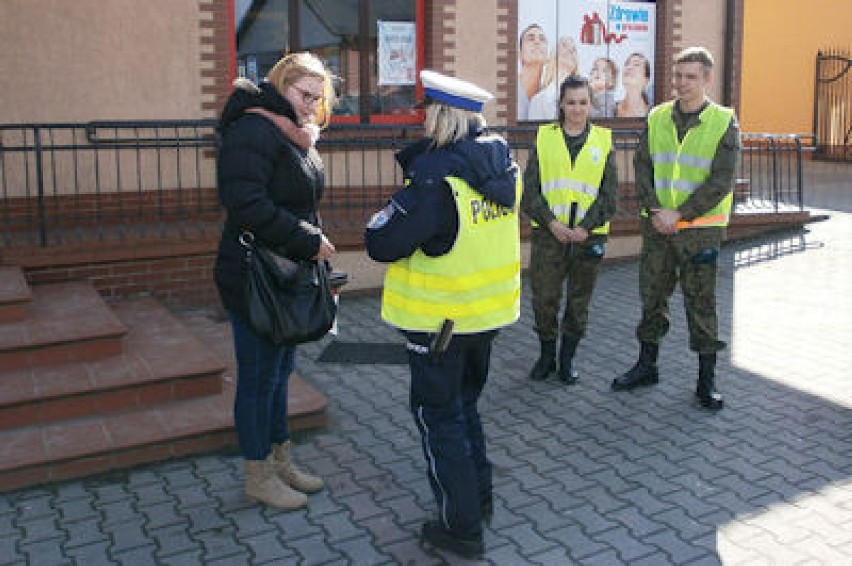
(704, 24)
(475, 47)
(780, 44)
(81, 60)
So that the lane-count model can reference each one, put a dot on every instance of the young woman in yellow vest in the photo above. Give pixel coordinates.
(451, 238)
(685, 166)
(570, 193)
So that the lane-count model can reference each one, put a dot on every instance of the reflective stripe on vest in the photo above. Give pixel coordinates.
(681, 167)
(564, 182)
(477, 283)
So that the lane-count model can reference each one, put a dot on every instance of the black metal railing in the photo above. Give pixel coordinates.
(833, 105)
(125, 181)
(100, 181)
(771, 175)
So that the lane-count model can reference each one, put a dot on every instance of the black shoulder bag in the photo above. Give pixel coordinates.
(288, 302)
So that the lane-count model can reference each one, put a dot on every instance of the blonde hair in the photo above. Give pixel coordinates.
(448, 124)
(295, 66)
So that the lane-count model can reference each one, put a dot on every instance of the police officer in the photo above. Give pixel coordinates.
(572, 168)
(451, 238)
(685, 167)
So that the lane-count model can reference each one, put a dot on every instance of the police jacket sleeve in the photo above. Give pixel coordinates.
(533, 203)
(245, 169)
(722, 175)
(401, 227)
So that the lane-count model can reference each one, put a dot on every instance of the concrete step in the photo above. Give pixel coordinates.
(161, 361)
(14, 294)
(84, 446)
(65, 323)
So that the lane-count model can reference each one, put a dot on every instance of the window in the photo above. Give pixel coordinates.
(373, 46)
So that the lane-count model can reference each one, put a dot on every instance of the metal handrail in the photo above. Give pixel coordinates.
(129, 179)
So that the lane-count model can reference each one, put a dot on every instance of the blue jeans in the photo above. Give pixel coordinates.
(260, 407)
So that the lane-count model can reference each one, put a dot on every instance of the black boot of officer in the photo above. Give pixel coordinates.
(706, 392)
(436, 534)
(644, 372)
(567, 374)
(546, 362)
(486, 505)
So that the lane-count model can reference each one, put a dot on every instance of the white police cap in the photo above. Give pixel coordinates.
(453, 92)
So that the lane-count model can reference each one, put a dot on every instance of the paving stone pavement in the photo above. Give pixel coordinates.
(583, 475)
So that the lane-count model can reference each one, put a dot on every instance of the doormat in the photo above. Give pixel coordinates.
(363, 353)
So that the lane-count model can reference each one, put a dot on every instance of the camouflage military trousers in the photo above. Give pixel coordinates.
(691, 257)
(549, 267)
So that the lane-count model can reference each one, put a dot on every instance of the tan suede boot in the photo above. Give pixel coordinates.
(264, 485)
(290, 474)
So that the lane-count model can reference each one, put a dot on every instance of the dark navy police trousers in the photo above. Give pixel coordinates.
(445, 389)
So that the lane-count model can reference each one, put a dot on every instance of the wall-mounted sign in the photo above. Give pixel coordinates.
(396, 53)
(610, 42)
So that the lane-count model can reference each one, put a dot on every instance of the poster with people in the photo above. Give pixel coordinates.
(608, 41)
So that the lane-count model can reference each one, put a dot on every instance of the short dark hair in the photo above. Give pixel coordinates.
(572, 82)
(696, 55)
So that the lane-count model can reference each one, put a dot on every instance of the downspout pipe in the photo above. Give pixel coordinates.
(730, 37)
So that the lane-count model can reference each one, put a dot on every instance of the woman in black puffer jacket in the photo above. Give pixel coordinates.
(270, 179)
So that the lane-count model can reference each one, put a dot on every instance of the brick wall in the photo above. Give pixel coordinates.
(216, 64)
(440, 27)
(507, 55)
(181, 281)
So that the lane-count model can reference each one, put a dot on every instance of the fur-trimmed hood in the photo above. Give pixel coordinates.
(247, 95)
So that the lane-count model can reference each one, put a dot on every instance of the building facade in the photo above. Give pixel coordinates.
(780, 45)
(175, 59)
(131, 91)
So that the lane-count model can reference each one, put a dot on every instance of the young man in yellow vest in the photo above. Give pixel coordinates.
(685, 167)
(452, 240)
(571, 171)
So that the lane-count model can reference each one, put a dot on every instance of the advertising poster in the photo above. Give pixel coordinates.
(610, 42)
(396, 56)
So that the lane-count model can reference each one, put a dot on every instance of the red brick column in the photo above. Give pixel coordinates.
(217, 55)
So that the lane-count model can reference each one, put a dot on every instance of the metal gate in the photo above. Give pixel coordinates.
(833, 105)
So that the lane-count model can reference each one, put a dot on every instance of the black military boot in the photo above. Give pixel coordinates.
(567, 374)
(706, 392)
(546, 362)
(644, 372)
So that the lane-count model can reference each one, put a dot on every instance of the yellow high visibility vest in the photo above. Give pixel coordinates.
(564, 182)
(680, 167)
(477, 283)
